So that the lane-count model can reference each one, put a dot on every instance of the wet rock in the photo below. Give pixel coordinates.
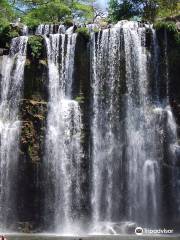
(1, 51)
(33, 113)
(24, 227)
(4, 51)
(33, 127)
(36, 80)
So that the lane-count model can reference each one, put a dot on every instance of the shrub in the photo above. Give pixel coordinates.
(171, 29)
(83, 31)
(7, 33)
(35, 46)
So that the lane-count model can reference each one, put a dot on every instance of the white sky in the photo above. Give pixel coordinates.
(102, 3)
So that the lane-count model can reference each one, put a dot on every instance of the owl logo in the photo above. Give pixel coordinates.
(139, 231)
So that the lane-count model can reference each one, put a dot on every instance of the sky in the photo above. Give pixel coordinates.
(102, 3)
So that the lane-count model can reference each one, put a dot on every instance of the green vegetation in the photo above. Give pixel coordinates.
(170, 26)
(6, 14)
(51, 12)
(34, 12)
(7, 33)
(171, 29)
(80, 99)
(85, 10)
(148, 10)
(168, 7)
(169, 10)
(83, 31)
(121, 10)
(35, 46)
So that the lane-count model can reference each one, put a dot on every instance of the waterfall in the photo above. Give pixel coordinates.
(61, 29)
(106, 158)
(106, 125)
(63, 138)
(128, 129)
(45, 29)
(11, 86)
(25, 30)
(143, 131)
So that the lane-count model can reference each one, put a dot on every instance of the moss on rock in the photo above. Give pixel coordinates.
(83, 31)
(33, 115)
(171, 28)
(36, 79)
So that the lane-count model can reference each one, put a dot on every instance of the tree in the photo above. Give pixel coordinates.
(150, 9)
(119, 10)
(46, 12)
(35, 12)
(126, 9)
(6, 13)
(83, 10)
(146, 9)
(169, 5)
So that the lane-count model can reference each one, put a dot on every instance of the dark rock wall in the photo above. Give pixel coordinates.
(173, 172)
(33, 112)
(81, 93)
(169, 78)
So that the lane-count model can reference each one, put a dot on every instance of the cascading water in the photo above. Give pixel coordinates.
(11, 85)
(25, 30)
(144, 138)
(131, 140)
(128, 128)
(63, 146)
(106, 126)
(45, 29)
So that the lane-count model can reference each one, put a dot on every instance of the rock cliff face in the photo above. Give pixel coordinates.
(170, 50)
(33, 112)
(82, 95)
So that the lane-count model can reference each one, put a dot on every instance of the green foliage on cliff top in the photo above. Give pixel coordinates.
(170, 26)
(83, 31)
(171, 29)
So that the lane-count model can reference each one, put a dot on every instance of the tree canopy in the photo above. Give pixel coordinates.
(34, 12)
(6, 13)
(46, 11)
(146, 9)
